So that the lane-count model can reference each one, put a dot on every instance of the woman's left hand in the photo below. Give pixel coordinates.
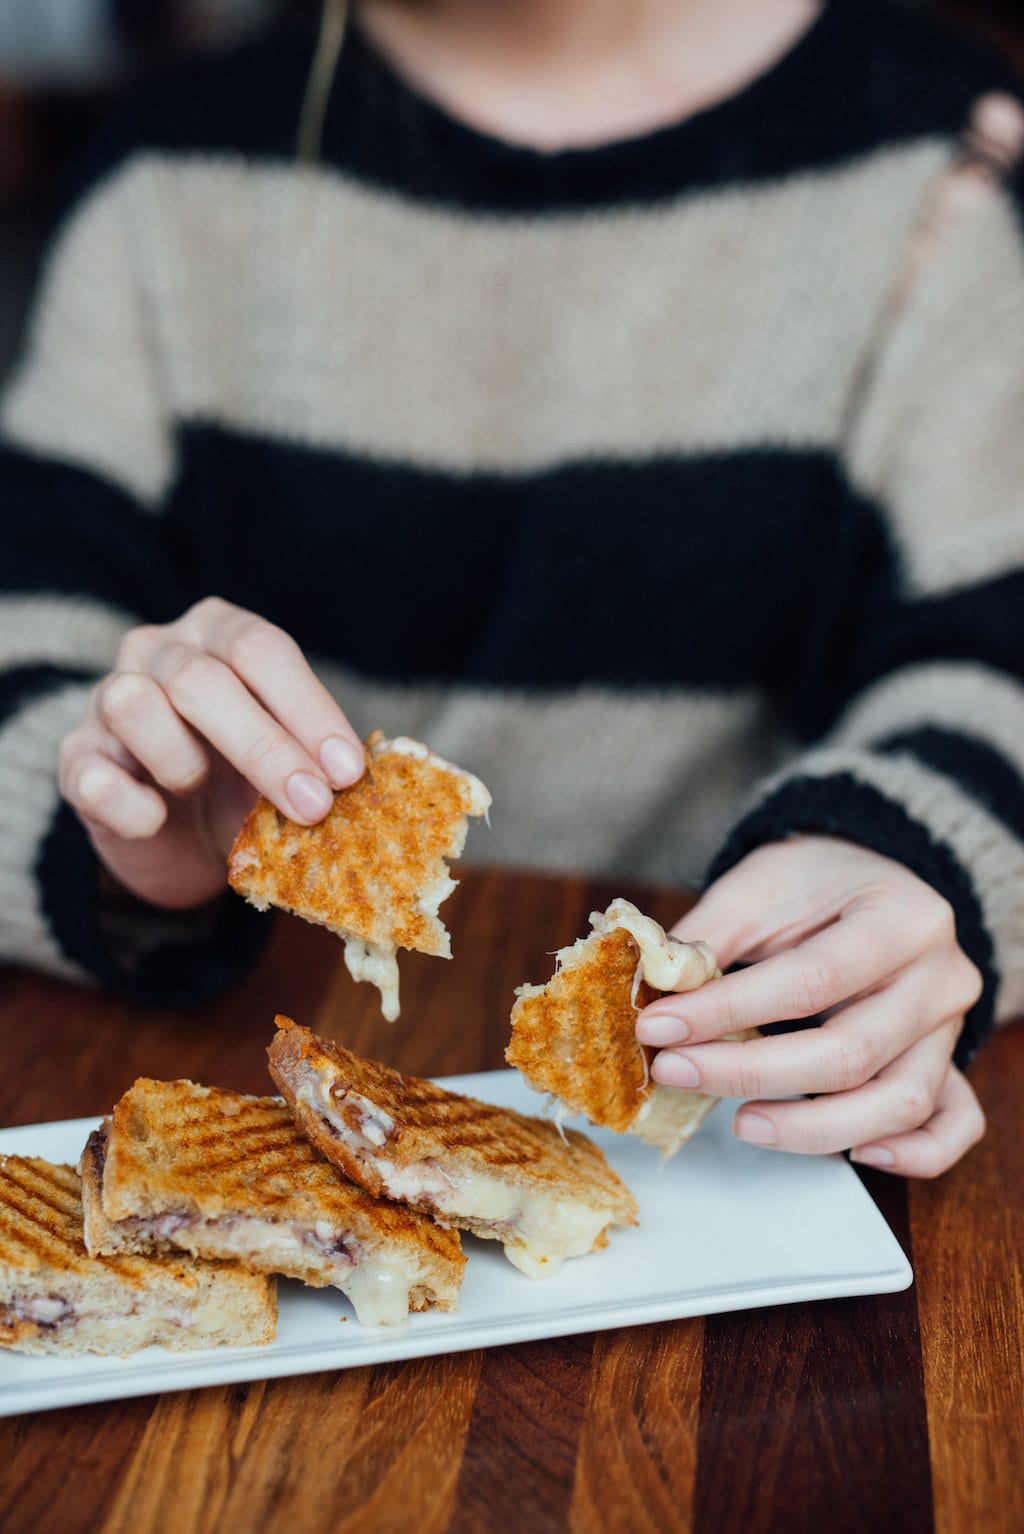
(829, 928)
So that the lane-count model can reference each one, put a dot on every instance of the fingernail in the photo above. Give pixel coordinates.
(94, 783)
(675, 1071)
(661, 1028)
(756, 1128)
(308, 797)
(873, 1155)
(341, 761)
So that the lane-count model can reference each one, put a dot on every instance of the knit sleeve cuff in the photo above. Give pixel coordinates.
(161, 959)
(844, 805)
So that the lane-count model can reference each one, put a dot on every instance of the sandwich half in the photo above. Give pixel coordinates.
(55, 1298)
(227, 1176)
(374, 869)
(544, 1195)
(575, 1037)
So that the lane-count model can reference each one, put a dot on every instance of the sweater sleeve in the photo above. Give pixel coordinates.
(912, 703)
(87, 455)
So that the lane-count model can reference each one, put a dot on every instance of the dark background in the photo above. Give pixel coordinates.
(49, 106)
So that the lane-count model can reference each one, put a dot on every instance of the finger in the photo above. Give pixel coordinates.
(275, 670)
(957, 1123)
(105, 795)
(138, 713)
(849, 1049)
(900, 1098)
(725, 919)
(754, 910)
(224, 712)
(832, 967)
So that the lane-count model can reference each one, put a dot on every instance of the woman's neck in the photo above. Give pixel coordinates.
(559, 74)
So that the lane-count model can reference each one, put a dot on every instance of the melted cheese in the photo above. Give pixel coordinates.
(380, 1293)
(666, 963)
(538, 1230)
(378, 963)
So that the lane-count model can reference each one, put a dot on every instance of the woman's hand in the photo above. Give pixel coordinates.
(196, 716)
(829, 928)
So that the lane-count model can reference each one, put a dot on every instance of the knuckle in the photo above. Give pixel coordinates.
(96, 789)
(253, 642)
(914, 1104)
(747, 1077)
(69, 747)
(185, 777)
(134, 644)
(814, 1137)
(261, 752)
(969, 982)
(976, 1123)
(123, 695)
(929, 1163)
(209, 609)
(819, 984)
(853, 1062)
(729, 1017)
(940, 920)
(191, 675)
(67, 755)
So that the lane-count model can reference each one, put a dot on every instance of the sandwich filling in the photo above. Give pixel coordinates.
(537, 1229)
(666, 963)
(377, 963)
(56, 1313)
(380, 1291)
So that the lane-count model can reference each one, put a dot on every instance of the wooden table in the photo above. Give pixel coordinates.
(901, 1413)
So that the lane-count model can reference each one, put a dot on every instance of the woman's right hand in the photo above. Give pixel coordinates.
(196, 717)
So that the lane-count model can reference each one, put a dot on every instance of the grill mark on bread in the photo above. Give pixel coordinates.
(379, 840)
(264, 1144)
(60, 1244)
(495, 1137)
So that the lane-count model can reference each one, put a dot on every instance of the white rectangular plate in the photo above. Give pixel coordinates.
(724, 1226)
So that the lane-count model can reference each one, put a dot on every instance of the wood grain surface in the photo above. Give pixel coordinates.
(900, 1412)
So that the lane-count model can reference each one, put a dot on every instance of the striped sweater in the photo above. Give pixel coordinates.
(673, 486)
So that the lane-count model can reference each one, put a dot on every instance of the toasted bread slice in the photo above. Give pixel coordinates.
(575, 1037)
(223, 1175)
(374, 870)
(55, 1298)
(488, 1170)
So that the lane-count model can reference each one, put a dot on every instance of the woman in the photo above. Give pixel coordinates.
(623, 398)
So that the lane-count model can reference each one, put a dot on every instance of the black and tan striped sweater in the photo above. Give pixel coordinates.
(675, 486)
